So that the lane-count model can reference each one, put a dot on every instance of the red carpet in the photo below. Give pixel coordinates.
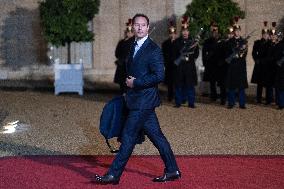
(36, 172)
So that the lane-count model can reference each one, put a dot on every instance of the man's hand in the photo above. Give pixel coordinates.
(129, 81)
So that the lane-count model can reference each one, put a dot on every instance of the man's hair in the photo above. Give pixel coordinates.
(141, 15)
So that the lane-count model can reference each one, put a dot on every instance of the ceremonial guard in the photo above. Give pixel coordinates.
(185, 53)
(237, 73)
(261, 69)
(121, 53)
(210, 60)
(167, 48)
(271, 66)
(279, 80)
(222, 64)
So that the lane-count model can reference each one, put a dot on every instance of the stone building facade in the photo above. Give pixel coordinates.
(24, 53)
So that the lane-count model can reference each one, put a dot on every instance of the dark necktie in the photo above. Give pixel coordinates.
(136, 48)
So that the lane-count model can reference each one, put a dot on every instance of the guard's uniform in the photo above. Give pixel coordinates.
(186, 75)
(261, 71)
(167, 49)
(210, 62)
(236, 78)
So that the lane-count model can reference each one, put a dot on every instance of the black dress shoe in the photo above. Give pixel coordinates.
(168, 177)
(107, 179)
(230, 106)
(177, 106)
(191, 106)
(170, 99)
(243, 107)
(213, 99)
(280, 107)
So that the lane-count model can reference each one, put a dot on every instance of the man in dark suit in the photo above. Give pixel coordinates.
(145, 70)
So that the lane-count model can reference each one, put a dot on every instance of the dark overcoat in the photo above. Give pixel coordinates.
(167, 49)
(222, 65)
(210, 59)
(237, 71)
(185, 74)
(279, 80)
(270, 66)
(121, 53)
(260, 53)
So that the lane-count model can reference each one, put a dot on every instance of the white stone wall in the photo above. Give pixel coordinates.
(23, 52)
(21, 43)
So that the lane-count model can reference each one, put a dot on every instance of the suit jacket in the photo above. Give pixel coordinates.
(148, 68)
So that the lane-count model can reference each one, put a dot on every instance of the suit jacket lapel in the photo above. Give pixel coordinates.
(141, 50)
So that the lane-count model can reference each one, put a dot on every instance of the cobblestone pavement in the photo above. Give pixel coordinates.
(68, 124)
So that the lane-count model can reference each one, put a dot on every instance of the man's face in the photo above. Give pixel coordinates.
(265, 36)
(141, 27)
(215, 33)
(274, 38)
(129, 34)
(172, 36)
(185, 33)
(237, 33)
(230, 35)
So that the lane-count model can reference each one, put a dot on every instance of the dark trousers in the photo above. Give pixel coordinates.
(170, 91)
(137, 121)
(223, 93)
(268, 94)
(259, 89)
(280, 96)
(182, 92)
(213, 90)
(276, 96)
(232, 96)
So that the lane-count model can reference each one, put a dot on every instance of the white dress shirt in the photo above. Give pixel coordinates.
(139, 43)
